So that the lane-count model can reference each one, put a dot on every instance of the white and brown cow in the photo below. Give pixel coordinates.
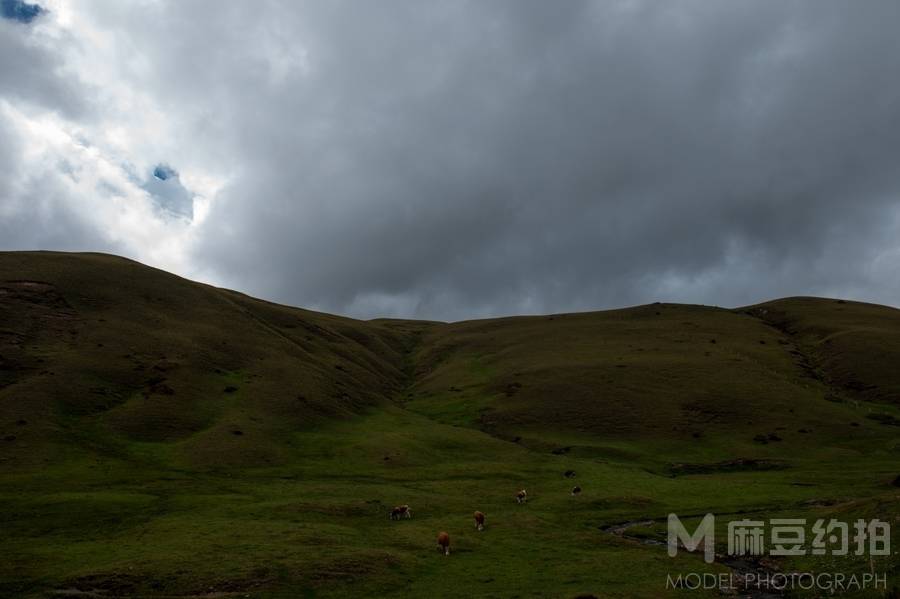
(401, 511)
(479, 520)
(522, 496)
(444, 543)
(576, 491)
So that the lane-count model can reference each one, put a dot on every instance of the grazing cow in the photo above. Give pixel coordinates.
(569, 474)
(444, 543)
(521, 496)
(479, 520)
(576, 491)
(401, 511)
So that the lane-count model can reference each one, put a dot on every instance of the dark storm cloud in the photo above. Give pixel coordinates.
(459, 159)
(501, 157)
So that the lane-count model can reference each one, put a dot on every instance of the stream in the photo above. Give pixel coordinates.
(741, 566)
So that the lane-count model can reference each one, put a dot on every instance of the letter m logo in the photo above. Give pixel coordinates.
(705, 533)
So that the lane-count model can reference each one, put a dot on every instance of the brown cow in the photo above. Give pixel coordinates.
(521, 496)
(401, 511)
(479, 520)
(444, 543)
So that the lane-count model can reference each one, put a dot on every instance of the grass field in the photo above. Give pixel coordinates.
(166, 438)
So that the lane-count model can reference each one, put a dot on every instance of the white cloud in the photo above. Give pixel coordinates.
(97, 157)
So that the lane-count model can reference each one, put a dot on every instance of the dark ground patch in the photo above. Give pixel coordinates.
(737, 465)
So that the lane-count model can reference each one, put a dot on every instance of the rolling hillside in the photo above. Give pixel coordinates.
(694, 377)
(136, 354)
(164, 437)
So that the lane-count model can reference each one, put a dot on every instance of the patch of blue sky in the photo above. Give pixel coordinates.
(20, 11)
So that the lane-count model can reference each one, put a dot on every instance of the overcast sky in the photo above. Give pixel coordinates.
(457, 159)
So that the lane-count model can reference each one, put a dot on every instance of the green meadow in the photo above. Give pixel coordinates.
(163, 438)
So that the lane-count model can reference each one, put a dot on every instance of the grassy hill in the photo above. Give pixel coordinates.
(100, 352)
(160, 437)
